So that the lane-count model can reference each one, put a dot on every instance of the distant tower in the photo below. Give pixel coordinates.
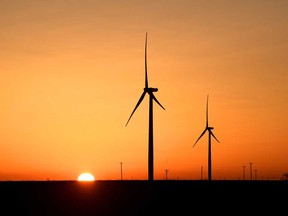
(255, 176)
(250, 171)
(201, 172)
(243, 172)
(121, 170)
(166, 174)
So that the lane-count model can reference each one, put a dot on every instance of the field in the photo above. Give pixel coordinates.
(137, 197)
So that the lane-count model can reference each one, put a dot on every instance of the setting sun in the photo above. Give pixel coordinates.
(86, 177)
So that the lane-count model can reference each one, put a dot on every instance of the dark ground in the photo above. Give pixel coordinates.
(137, 197)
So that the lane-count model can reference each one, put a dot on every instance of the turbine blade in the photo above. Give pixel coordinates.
(200, 137)
(139, 101)
(214, 136)
(207, 111)
(146, 75)
(154, 98)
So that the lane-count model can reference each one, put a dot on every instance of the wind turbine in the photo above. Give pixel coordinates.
(148, 90)
(210, 133)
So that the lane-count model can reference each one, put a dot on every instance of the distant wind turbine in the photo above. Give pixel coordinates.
(210, 133)
(150, 91)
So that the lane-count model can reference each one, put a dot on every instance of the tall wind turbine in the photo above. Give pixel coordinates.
(210, 133)
(150, 91)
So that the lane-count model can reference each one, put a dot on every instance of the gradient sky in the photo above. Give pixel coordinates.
(72, 71)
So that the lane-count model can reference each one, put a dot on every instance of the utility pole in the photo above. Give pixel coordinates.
(243, 172)
(250, 171)
(166, 174)
(201, 172)
(121, 170)
(255, 174)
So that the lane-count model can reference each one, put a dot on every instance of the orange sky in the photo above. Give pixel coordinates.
(72, 71)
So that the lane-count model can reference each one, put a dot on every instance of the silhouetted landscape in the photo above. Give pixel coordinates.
(141, 197)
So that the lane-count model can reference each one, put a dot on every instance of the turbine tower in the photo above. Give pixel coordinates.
(150, 91)
(210, 133)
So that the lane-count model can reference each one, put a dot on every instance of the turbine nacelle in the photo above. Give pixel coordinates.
(150, 89)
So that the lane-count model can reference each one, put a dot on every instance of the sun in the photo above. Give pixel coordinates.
(86, 177)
